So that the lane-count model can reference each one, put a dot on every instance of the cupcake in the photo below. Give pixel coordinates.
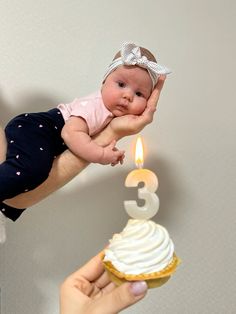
(142, 251)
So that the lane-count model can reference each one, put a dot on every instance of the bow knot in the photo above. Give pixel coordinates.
(131, 55)
(143, 60)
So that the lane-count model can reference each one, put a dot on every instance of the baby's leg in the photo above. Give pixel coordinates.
(22, 172)
(29, 157)
(33, 142)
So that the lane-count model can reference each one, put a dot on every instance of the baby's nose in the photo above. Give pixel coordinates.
(128, 94)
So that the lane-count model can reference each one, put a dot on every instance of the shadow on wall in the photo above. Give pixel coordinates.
(27, 101)
(5, 111)
(54, 238)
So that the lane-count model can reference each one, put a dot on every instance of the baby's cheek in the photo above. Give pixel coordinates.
(140, 107)
(144, 104)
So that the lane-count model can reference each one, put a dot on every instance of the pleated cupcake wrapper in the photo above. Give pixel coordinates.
(154, 279)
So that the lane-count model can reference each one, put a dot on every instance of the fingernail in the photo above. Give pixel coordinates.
(139, 287)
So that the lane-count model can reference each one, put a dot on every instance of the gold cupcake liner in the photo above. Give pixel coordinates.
(155, 279)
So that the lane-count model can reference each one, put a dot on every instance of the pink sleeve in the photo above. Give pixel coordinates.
(86, 110)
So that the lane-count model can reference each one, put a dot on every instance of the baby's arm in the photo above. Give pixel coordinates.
(76, 137)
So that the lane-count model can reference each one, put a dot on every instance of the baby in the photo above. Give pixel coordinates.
(126, 89)
(35, 139)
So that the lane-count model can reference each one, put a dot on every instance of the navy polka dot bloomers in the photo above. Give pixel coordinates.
(34, 140)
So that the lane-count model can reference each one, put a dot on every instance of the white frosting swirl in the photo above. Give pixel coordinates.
(143, 247)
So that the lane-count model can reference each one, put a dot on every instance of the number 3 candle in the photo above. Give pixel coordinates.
(147, 192)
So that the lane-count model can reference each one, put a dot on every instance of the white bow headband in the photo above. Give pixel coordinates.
(131, 55)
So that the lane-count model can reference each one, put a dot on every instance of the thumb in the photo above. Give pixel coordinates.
(121, 297)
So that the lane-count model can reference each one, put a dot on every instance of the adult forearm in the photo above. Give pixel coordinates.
(65, 168)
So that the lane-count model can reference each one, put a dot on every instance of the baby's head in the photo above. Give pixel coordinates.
(130, 79)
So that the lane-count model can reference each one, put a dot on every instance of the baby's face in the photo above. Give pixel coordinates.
(126, 90)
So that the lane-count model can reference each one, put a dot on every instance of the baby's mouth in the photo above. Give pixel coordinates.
(122, 107)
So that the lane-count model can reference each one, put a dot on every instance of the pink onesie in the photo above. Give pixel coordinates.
(91, 108)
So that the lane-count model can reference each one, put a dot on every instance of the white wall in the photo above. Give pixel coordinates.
(52, 51)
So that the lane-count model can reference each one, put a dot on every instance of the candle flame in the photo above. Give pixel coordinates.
(139, 153)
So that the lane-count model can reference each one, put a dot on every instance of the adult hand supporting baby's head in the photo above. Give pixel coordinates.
(131, 124)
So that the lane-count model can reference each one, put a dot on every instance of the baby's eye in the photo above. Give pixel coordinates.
(121, 84)
(139, 94)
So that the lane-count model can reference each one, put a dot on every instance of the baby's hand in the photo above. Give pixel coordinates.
(111, 155)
